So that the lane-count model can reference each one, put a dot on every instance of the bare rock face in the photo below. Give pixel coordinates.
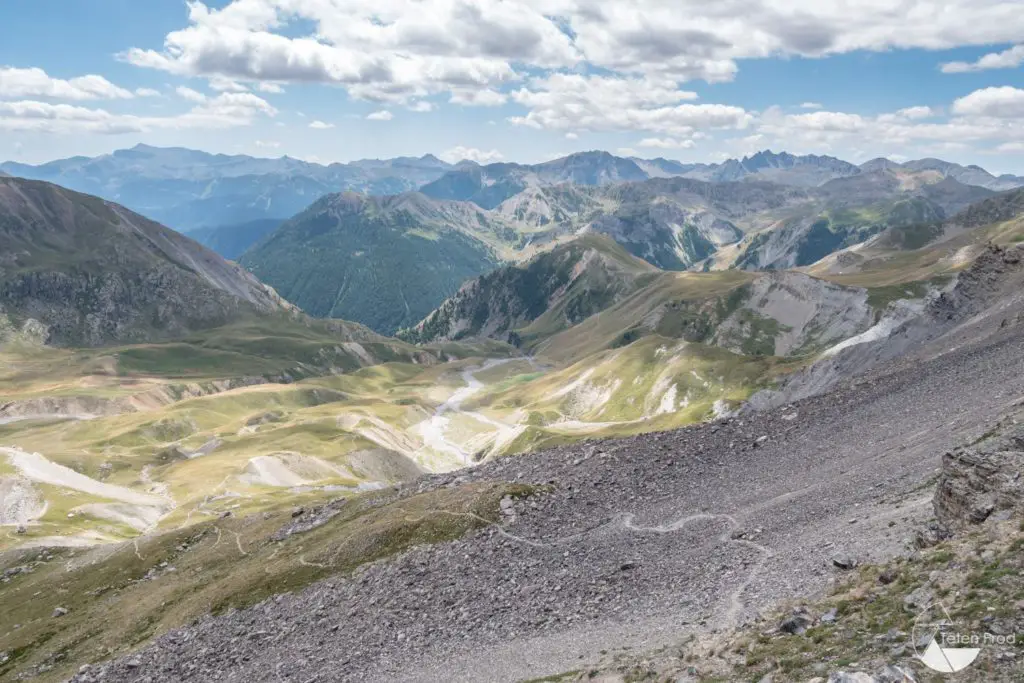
(982, 480)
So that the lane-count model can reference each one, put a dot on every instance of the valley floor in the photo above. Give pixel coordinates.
(632, 543)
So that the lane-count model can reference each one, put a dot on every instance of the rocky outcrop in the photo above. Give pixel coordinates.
(982, 480)
(986, 299)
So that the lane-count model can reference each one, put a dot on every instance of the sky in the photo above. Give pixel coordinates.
(515, 80)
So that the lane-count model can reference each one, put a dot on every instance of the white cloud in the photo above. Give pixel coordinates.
(571, 136)
(421, 107)
(227, 110)
(908, 114)
(394, 50)
(146, 92)
(1011, 148)
(481, 97)
(1007, 59)
(321, 125)
(811, 105)
(382, 115)
(34, 82)
(916, 112)
(991, 118)
(221, 84)
(666, 143)
(1005, 102)
(272, 88)
(568, 101)
(627, 152)
(190, 94)
(267, 144)
(460, 153)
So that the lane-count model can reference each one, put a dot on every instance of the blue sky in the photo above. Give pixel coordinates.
(519, 80)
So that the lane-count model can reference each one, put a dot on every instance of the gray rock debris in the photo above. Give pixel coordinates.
(983, 478)
(668, 504)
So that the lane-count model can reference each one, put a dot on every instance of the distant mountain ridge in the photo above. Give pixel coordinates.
(188, 189)
(191, 190)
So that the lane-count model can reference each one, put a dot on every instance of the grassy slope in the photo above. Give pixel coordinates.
(550, 292)
(602, 330)
(375, 261)
(167, 580)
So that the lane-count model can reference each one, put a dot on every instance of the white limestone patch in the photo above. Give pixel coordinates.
(899, 313)
(20, 502)
(668, 402)
(37, 468)
(138, 517)
(287, 470)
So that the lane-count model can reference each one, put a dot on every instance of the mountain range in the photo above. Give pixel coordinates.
(404, 234)
(188, 189)
(388, 261)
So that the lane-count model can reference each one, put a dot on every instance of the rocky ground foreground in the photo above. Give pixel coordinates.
(682, 541)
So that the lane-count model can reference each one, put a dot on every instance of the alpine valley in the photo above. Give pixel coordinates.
(407, 420)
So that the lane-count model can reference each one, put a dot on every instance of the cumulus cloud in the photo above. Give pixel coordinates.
(382, 115)
(321, 125)
(916, 112)
(34, 82)
(908, 114)
(221, 84)
(397, 50)
(811, 105)
(190, 94)
(460, 153)
(224, 111)
(1007, 59)
(146, 92)
(666, 143)
(482, 97)
(568, 101)
(1004, 102)
(990, 116)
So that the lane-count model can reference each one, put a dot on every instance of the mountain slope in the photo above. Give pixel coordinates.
(565, 285)
(231, 241)
(93, 272)
(969, 175)
(853, 210)
(382, 261)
